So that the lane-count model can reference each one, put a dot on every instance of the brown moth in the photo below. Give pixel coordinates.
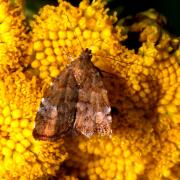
(75, 103)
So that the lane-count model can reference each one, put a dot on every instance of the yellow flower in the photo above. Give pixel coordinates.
(13, 38)
(22, 156)
(144, 94)
(145, 140)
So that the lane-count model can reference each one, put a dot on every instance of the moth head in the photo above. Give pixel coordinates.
(86, 55)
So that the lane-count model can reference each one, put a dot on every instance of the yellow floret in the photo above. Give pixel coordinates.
(6, 151)
(35, 64)
(19, 148)
(16, 113)
(6, 111)
(38, 46)
(11, 144)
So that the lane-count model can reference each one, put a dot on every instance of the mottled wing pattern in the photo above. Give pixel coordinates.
(93, 108)
(76, 102)
(56, 114)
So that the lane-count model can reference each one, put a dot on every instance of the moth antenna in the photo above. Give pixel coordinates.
(114, 59)
(74, 32)
(110, 56)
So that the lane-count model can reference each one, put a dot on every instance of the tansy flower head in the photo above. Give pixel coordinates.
(13, 38)
(22, 156)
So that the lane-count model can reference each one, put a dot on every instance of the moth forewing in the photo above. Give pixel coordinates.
(93, 107)
(57, 111)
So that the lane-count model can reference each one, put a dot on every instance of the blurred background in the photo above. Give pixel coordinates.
(169, 8)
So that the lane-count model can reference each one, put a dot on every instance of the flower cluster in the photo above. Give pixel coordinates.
(20, 153)
(60, 33)
(143, 86)
(20, 95)
(14, 52)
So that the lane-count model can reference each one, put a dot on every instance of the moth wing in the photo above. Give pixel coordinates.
(93, 107)
(56, 114)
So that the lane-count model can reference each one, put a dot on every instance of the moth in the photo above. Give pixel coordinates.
(76, 102)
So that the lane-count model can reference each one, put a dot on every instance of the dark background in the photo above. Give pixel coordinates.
(169, 8)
